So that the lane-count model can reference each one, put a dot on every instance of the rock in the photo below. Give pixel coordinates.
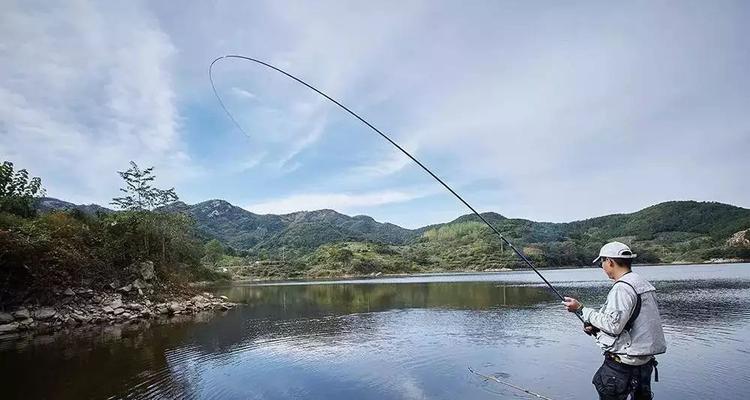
(45, 313)
(21, 313)
(113, 286)
(225, 298)
(69, 292)
(197, 299)
(141, 284)
(162, 310)
(739, 239)
(6, 318)
(119, 311)
(224, 307)
(116, 303)
(146, 269)
(134, 307)
(207, 295)
(9, 328)
(175, 307)
(126, 288)
(28, 323)
(81, 318)
(108, 309)
(85, 292)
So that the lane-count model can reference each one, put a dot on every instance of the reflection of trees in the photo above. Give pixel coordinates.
(171, 360)
(313, 300)
(99, 364)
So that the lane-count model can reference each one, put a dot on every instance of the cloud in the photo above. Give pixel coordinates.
(89, 86)
(313, 134)
(548, 106)
(243, 94)
(344, 202)
(389, 162)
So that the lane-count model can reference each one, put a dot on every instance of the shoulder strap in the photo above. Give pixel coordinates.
(636, 310)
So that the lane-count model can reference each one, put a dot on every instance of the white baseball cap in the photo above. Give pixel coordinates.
(615, 250)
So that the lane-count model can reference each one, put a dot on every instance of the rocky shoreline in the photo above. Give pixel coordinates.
(136, 301)
(85, 307)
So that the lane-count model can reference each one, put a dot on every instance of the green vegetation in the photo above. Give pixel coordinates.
(72, 248)
(17, 192)
(684, 231)
(215, 235)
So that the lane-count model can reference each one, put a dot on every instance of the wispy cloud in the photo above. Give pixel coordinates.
(345, 202)
(243, 94)
(390, 162)
(92, 96)
(651, 93)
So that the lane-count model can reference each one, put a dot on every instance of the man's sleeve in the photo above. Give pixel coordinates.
(614, 315)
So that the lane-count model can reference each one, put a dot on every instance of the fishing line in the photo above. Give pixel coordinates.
(386, 137)
(494, 378)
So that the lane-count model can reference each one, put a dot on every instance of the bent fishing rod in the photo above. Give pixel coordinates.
(386, 137)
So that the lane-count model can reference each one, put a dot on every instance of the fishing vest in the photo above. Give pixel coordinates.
(645, 336)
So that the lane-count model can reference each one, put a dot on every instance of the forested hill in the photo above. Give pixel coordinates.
(300, 231)
(678, 231)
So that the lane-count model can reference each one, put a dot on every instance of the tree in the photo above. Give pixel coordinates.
(141, 198)
(140, 195)
(17, 192)
(214, 251)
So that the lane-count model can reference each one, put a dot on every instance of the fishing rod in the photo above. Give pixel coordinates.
(519, 388)
(391, 141)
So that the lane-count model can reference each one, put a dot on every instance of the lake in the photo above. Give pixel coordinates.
(397, 338)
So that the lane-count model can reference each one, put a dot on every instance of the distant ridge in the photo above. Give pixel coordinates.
(666, 232)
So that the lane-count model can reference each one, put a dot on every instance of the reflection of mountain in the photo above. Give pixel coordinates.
(315, 300)
(283, 329)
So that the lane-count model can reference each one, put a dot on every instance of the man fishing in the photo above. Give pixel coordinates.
(629, 345)
(627, 327)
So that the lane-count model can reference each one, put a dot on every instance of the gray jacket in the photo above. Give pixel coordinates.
(646, 337)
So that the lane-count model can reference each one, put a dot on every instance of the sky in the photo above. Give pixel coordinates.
(551, 111)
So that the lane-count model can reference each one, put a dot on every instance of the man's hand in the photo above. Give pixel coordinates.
(590, 329)
(572, 304)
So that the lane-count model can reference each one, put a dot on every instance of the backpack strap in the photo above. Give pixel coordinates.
(636, 310)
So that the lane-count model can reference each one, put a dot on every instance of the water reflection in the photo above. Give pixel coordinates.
(307, 300)
(387, 340)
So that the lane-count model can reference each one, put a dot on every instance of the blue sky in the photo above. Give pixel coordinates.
(551, 111)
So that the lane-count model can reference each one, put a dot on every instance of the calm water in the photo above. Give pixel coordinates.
(410, 338)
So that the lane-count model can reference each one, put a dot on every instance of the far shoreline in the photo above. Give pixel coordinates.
(346, 278)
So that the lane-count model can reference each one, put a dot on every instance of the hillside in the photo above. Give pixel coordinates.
(678, 231)
(47, 204)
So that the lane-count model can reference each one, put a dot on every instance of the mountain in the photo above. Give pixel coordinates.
(302, 231)
(677, 231)
(47, 204)
(231, 225)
